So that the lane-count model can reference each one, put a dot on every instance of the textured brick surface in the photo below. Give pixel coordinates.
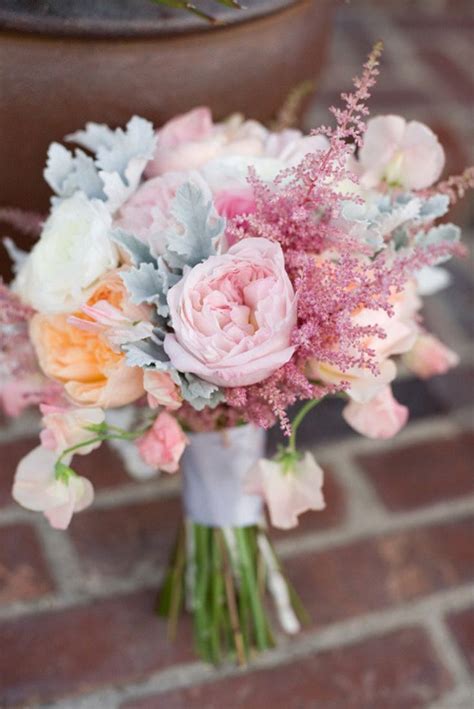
(123, 540)
(395, 671)
(11, 453)
(390, 569)
(425, 473)
(462, 626)
(82, 648)
(23, 571)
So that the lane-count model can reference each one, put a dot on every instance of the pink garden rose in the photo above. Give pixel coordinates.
(161, 390)
(288, 493)
(407, 155)
(233, 315)
(381, 417)
(429, 357)
(163, 445)
(36, 488)
(64, 428)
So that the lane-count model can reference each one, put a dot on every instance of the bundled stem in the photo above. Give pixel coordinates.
(233, 570)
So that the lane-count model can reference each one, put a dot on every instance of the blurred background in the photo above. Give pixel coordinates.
(387, 570)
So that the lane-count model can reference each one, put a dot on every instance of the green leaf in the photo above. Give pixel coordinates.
(63, 472)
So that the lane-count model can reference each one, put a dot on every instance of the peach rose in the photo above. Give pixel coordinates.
(233, 315)
(92, 373)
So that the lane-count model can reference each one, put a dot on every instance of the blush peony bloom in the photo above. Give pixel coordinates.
(233, 315)
(406, 155)
(147, 214)
(64, 428)
(161, 390)
(92, 373)
(381, 417)
(288, 493)
(163, 445)
(73, 252)
(36, 488)
(192, 140)
(430, 357)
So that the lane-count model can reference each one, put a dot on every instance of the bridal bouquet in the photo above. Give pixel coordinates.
(213, 275)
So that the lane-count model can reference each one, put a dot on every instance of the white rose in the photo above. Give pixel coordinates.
(74, 250)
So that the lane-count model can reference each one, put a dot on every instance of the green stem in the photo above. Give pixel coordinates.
(305, 409)
(250, 581)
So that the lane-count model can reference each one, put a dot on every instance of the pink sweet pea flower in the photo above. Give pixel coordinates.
(233, 315)
(161, 390)
(64, 428)
(36, 488)
(287, 493)
(163, 445)
(430, 357)
(401, 330)
(381, 417)
(406, 155)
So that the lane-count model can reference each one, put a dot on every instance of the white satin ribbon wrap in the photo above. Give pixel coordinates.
(213, 466)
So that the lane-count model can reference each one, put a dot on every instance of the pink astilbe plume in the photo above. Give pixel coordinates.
(456, 186)
(334, 272)
(21, 382)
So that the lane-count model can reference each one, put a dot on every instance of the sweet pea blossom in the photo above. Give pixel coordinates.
(288, 491)
(64, 428)
(161, 390)
(73, 252)
(429, 357)
(163, 445)
(233, 315)
(400, 330)
(381, 417)
(403, 154)
(37, 488)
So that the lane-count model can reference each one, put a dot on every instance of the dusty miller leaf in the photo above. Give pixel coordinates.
(138, 251)
(201, 228)
(66, 173)
(150, 284)
(200, 394)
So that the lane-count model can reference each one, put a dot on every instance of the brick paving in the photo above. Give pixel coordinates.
(387, 571)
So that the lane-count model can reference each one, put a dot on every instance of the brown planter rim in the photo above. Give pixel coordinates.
(156, 21)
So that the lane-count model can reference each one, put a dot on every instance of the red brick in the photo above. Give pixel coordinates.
(380, 572)
(119, 540)
(103, 466)
(393, 671)
(59, 654)
(462, 626)
(333, 514)
(456, 79)
(23, 571)
(424, 473)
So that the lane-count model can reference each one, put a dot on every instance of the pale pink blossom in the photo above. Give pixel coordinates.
(233, 315)
(190, 141)
(401, 153)
(163, 445)
(64, 428)
(36, 488)
(147, 214)
(30, 389)
(381, 417)
(429, 357)
(401, 330)
(161, 390)
(287, 492)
